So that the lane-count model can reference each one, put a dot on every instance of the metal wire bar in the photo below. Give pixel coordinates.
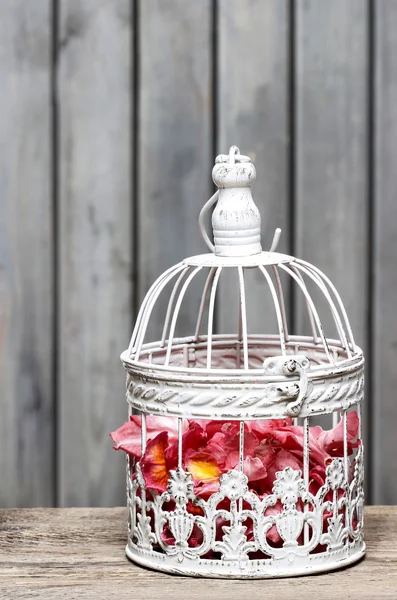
(143, 448)
(180, 429)
(243, 316)
(276, 239)
(309, 311)
(241, 457)
(315, 277)
(176, 312)
(238, 353)
(346, 463)
(211, 316)
(306, 458)
(171, 304)
(143, 433)
(174, 270)
(345, 446)
(239, 337)
(149, 308)
(313, 309)
(336, 294)
(281, 300)
(180, 419)
(204, 296)
(277, 308)
(224, 341)
(295, 342)
(186, 355)
(241, 447)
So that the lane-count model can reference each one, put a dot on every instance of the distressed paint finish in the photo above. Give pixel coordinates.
(384, 273)
(175, 101)
(251, 397)
(248, 381)
(26, 254)
(344, 542)
(94, 97)
(252, 111)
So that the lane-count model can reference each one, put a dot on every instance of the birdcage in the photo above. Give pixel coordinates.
(229, 473)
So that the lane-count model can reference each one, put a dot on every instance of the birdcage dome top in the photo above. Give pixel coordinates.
(242, 375)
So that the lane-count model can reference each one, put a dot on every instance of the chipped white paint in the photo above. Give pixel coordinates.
(343, 540)
(242, 377)
(236, 221)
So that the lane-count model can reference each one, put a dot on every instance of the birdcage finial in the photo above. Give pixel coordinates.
(236, 221)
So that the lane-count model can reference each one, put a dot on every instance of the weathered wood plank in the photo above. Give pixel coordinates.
(384, 413)
(95, 216)
(253, 97)
(331, 136)
(175, 156)
(26, 283)
(79, 553)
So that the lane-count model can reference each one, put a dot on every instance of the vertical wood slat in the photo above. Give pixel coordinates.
(253, 102)
(26, 282)
(94, 95)
(384, 283)
(175, 104)
(331, 136)
(95, 237)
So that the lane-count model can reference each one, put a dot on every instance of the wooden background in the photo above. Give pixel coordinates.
(102, 103)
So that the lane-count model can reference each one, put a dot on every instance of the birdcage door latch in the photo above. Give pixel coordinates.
(290, 366)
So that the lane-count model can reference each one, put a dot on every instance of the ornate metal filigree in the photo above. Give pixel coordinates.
(245, 400)
(235, 522)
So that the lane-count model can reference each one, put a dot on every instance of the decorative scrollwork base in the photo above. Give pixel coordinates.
(317, 532)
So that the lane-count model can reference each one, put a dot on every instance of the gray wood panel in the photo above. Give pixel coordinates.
(253, 100)
(331, 147)
(95, 235)
(384, 282)
(26, 284)
(175, 155)
(319, 187)
(331, 137)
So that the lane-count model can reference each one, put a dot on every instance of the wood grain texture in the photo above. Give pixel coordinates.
(95, 234)
(253, 97)
(326, 181)
(26, 282)
(79, 553)
(175, 157)
(331, 136)
(384, 285)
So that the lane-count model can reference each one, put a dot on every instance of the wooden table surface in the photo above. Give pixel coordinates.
(78, 553)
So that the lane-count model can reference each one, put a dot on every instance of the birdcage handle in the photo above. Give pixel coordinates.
(203, 212)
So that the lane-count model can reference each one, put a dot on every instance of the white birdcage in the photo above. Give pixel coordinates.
(265, 389)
